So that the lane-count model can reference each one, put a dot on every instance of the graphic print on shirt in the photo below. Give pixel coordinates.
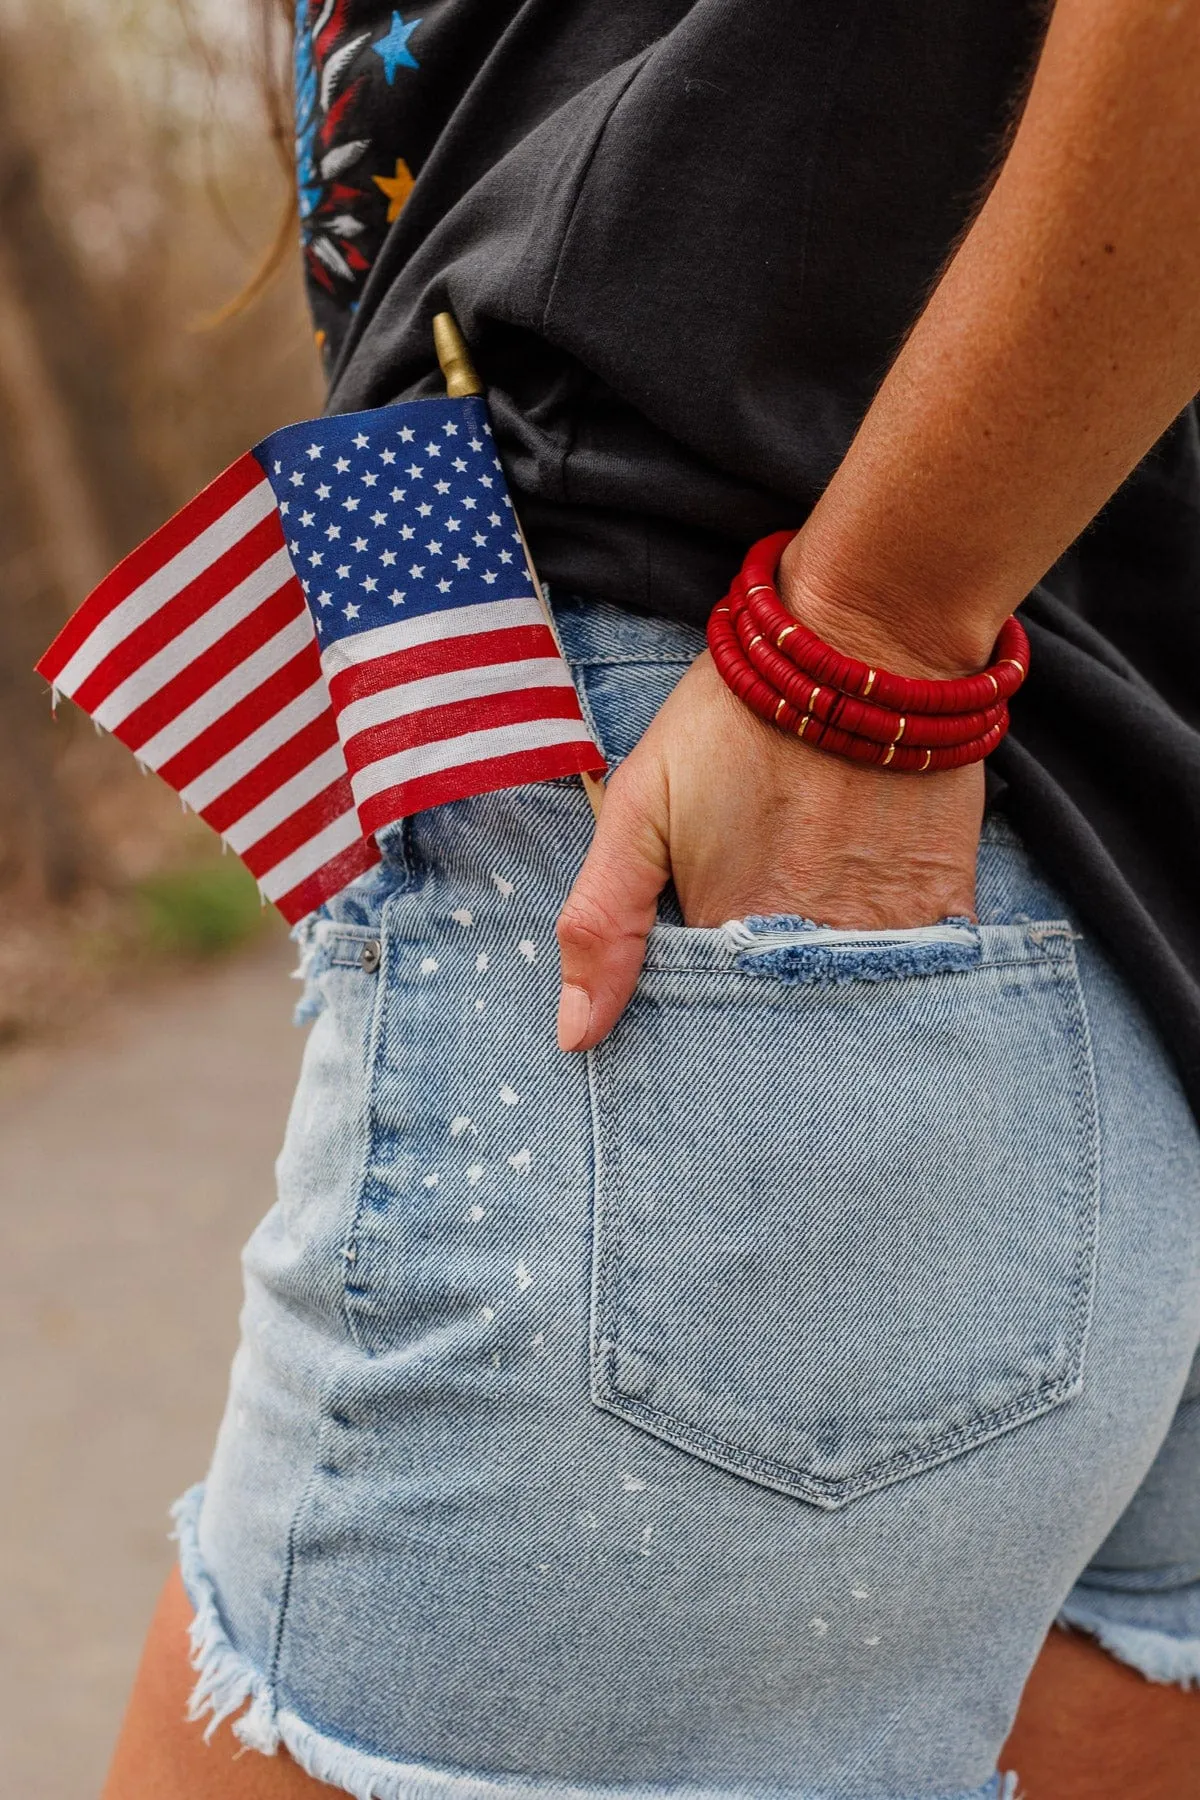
(352, 62)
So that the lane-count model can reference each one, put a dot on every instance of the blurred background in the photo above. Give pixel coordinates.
(146, 1053)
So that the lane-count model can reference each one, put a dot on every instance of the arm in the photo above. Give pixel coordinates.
(1060, 342)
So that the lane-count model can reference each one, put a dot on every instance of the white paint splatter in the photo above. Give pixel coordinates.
(479, 1005)
(432, 1180)
(487, 1314)
(481, 962)
(503, 888)
(820, 1626)
(509, 1095)
(536, 1342)
(475, 1213)
(647, 1534)
(590, 1520)
(461, 1123)
(521, 1161)
(528, 949)
(495, 1359)
(861, 1593)
(870, 1641)
(429, 965)
(474, 1173)
(462, 917)
(633, 1484)
(522, 1277)
(543, 1568)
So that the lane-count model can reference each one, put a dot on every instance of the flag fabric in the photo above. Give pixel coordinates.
(342, 629)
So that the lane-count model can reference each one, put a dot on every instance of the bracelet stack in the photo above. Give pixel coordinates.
(787, 675)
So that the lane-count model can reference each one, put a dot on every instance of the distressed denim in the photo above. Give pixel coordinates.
(730, 1412)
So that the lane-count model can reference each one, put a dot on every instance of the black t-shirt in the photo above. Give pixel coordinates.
(684, 239)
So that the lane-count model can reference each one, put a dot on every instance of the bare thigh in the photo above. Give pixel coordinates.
(1088, 1729)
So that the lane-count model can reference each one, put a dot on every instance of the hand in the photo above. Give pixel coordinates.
(748, 820)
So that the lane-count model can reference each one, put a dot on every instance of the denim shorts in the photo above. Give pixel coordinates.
(730, 1412)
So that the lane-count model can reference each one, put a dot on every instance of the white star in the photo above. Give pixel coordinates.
(414, 470)
(388, 558)
(314, 450)
(494, 519)
(450, 429)
(490, 577)
(284, 506)
(479, 539)
(453, 524)
(485, 481)
(459, 464)
(350, 505)
(433, 449)
(351, 611)
(475, 444)
(407, 531)
(433, 547)
(462, 562)
(506, 556)
(370, 584)
(276, 467)
(324, 598)
(487, 431)
(306, 518)
(387, 456)
(516, 537)
(342, 570)
(342, 464)
(443, 487)
(360, 543)
(417, 571)
(294, 547)
(424, 509)
(323, 491)
(370, 480)
(316, 559)
(296, 478)
(398, 494)
(505, 501)
(360, 441)
(406, 434)
(333, 531)
(443, 586)
(396, 597)
(378, 518)
(470, 505)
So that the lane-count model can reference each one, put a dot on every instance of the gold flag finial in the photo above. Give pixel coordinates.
(454, 357)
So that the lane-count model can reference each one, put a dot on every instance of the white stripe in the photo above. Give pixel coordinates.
(310, 857)
(286, 799)
(428, 628)
(217, 700)
(204, 550)
(208, 629)
(442, 690)
(471, 746)
(255, 748)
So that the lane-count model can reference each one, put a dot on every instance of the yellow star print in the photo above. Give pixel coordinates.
(397, 187)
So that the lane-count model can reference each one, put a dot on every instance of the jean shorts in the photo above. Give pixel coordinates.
(732, 1411)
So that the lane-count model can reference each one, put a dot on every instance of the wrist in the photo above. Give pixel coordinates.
(879, 622)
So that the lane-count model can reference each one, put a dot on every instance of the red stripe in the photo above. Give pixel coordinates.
(311, 741)
(328, 880)
(439, 722)
(244, 717)
(307, 820)
(249, 635)
(483, 777)
(442, 657)
(229, 487)
(209, 588)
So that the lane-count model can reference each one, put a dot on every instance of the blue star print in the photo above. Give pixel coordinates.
(394, 47)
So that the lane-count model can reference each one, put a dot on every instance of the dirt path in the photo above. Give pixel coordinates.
(133, 1165)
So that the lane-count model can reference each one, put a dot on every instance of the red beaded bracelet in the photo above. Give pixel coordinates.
(790, 677)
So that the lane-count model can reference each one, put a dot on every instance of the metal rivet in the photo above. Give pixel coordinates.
(369, 956)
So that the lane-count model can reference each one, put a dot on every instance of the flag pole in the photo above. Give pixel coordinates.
(462, 379)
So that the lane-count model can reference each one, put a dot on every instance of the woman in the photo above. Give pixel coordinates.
(732, 1411)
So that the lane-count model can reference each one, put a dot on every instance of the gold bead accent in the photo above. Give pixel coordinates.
(871, 673)
(1016, 665)
(812, 700)
(803, 725)
(928, 760)
(994, 682)
(762, 587)
(900, 732)
(779, 709)
(891, 751)
(782, 635)
(756, 639)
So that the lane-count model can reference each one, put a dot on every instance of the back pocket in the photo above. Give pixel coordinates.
(846, 1195)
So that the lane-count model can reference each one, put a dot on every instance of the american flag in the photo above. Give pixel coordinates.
(342, 629)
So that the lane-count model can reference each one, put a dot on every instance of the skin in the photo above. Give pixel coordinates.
(1061, 340)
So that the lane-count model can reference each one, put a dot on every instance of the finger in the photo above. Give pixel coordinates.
(604, 924)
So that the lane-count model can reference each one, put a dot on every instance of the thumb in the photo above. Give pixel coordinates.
(607, 916)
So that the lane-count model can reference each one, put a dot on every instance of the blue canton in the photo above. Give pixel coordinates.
(394, 512)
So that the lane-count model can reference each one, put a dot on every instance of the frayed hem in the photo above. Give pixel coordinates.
(226, 1682)
(1170, 1661)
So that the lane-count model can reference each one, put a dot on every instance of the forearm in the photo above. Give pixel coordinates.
(1060, 342)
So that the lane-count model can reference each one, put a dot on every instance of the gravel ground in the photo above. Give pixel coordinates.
(134, 1162)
